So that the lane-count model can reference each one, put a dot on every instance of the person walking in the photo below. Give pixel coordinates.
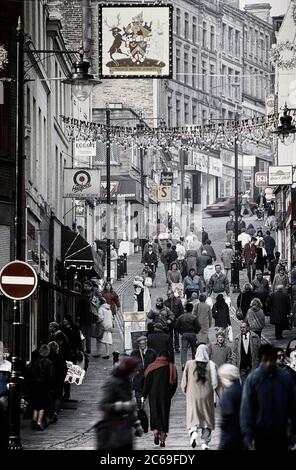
(204, 315)
(218, 284)
(202, 261)
(261, 289)
(191, 257)
(227, 258)
(145, 356)
(105, 317)
(245, 205)
(174, 274)
(188, 326)
(174, 303)
(241, 224)
(111, 298)
(84, 314)
(274, 263)
(230, 227)
(251, 230)
(268, 405)
(158, 340)
(192, 283)
(160, 386)
(281, 279)
(204, 235)
(209, 249)
(230, 403)
(60, 372)
(163, 315)
(220, 313)
(164, 257)
(293, 282)
(209, 270)
(269, 245)
(244, 238)
(256, 317)
(219, 352)
(155, 248)
(279, 307)
(199, 382)
(261, 257)
(72, 332)
(245, 351)
(249, 255)
(120, 421)
(244, 299)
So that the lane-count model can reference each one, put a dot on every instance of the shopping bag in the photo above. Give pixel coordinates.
(230, 334)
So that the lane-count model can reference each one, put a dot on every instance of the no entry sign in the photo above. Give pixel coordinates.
(18, 280)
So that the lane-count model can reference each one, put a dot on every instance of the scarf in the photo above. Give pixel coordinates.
(162, 362)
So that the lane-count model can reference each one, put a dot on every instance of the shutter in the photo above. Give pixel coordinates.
(4, 245)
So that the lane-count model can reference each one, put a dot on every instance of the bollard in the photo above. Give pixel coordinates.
(118, 269)
(125, 263)
(121, 266)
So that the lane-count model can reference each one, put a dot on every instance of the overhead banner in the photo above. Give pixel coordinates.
(82, 183)
(135, 40)
(280, 175)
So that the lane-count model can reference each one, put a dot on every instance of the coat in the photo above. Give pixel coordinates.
(269, 244)
(164, 316)
(191, 258)
(208, 272)
(187, 323)
(230, 437)
(221, 316)
(210, 251)
(202, 263)
(244, 300)
(218, 284)
(160, 392)
(200, 410)
(174, 277)
(158, 341)
(220, 354)
(144, 361)
(73, 336)
(106, 317)
(175, 305)
(249, 252)
(227, 257)
(150, 258)
(113, 300)
(260, 288)
(279, 306)
(254, 346)
(192, 284)
(256, 319)
(204, 316)
(280, 280)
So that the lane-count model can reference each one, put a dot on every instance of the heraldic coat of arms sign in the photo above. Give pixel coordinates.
(135, 41)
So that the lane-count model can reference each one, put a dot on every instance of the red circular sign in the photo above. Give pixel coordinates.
(18, 280)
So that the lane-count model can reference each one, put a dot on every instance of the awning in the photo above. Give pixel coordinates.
(78, 254)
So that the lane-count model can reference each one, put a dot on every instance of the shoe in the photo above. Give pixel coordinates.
(156, 439)
(105, 357)
(204, 446)
(40, 427)
(162, 444)
(34, 424)
(193, 438)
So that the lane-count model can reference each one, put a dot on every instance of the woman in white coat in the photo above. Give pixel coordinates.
(199, 382)
(106, 318)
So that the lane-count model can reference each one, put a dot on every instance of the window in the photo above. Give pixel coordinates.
(256, 83)
(223, 114)
(186, 113)
(28, 117)
(178, 112)
(251, 41)
(224, 36)
(262, 52)
(186, 26)
(230, 82)
(237, 85)
(267, 47)
(245, 42)
(230, 115)
(256, 45)
(178, 64)
(204, 34)
(230, 39)
(194, 113)
(204, 117)
(204, 72)
(178, 21)
(223, 80)
(170, 111)
(194, 29)
(237, 43)
(193, 82)
(212, 43)
(212, 78)
(186, 70)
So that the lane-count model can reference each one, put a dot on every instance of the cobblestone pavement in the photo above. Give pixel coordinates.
(74, 428)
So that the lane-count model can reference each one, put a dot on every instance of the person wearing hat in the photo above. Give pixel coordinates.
(158, 340)
(227, 257)
(230, 437)
(144, 356)
(40, 377)
(219, 352)
(120, 420)
(162, 314)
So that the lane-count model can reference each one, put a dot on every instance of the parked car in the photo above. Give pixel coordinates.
(225, 206)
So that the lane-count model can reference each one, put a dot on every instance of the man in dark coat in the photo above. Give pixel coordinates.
(174, 303)
(84, 314)
(273, 264)
(245, 351)
(160, 385)
(268, 405)
(162, 314)
(172, 255)
(158, 340)
(202, 262)
(188, 326)
(145, 356)
(150, 257)
(279, 306)
(204, 235)
(209, 249)
(269, 245)
(165, 257)
(245, 298)
(261, 289)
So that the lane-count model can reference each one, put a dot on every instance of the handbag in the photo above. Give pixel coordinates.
(239, 312)
(114, 433)
(97, 330)
(143, 418)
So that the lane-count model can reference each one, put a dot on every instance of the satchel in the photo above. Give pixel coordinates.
(114, 433)
(239, 312)
(97, 330)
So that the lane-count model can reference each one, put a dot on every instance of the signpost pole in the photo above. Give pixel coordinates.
(108, 188)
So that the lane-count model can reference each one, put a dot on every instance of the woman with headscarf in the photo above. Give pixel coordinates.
(111, 297)
(199, 383)
(230, 438)
(160, 385)
(256, 317)
(119, 409)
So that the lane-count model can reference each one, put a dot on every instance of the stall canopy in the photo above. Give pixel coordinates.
(77, 253)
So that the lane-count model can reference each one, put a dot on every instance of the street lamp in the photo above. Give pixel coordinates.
(286, 131)
(79, 78)
(140, 128)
